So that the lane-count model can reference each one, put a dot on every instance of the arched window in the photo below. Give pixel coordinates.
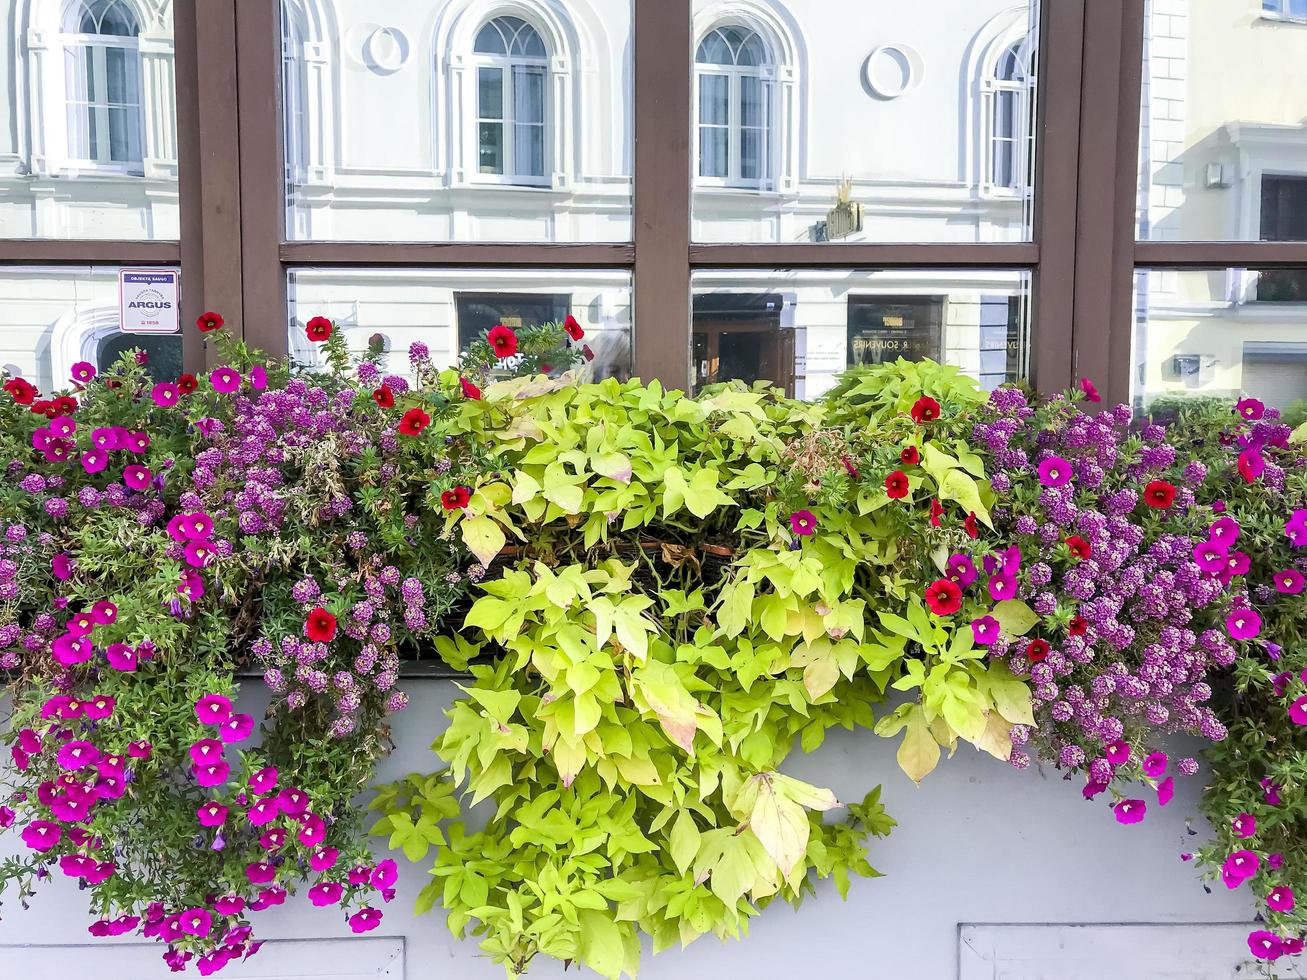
(102, 73)
(512, 71)
(294, 94)
(1010, 119)
(732, 72)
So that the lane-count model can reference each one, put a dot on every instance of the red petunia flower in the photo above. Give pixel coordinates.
(1159, 494)
(455, 499)
(910, 456)
(1080, 548)
(896, 485)
(63, 405)
(318, 329)
(469, 389)
(1090, 390)
(1078, 626)
(936, 512)
(208, 322)
(573, 328)
(413, 422)
(587, 353)
(502, 341)
(384, 397)
(969, 525)
(944, 597)
(320, 627)
(187, 383)
(850, 467)
(925, 410)
(22, 390)
(1037, 651)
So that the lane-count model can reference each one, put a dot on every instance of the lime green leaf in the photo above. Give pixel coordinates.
(484, 538)
(1015, 617)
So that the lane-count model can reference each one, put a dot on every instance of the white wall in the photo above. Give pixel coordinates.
(979, 842)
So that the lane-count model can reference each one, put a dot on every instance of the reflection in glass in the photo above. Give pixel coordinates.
(800, 329)
(51, 317)
(89, 150)
(1223, 123)
(1219, 334)
(864, 120)
(446, 309)
(452, 121)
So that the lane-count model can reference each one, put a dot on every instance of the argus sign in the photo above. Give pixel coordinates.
(147, 300)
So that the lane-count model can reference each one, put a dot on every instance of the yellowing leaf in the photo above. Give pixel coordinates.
(685, 838)
(1015, 617)
(918, 753)
(996, 739)
(615, 466)
(778, 819)
(484, 538)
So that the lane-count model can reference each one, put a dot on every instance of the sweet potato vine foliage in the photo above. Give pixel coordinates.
(657, 599)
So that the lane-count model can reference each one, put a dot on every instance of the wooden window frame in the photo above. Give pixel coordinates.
(235, 257)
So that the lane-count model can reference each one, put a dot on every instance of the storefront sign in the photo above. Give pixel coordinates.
(148, 300)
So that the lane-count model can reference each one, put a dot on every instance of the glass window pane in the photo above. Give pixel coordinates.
(490, 93)
(1221, 333)
(446, 308)
(1222, 124)
(896, 102)
(51, 317)
(714, 99)
(800, 328)
(86, 103)
(391, 136)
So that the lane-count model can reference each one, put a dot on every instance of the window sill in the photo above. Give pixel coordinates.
(1274, 18)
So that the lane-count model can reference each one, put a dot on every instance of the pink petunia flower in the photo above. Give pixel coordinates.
(293, 801)
(1239, 867)
(1250, 409)
(82, 372)
(61, 567)
(1002, 586)
(1243, 624)
(229, 905)
(1155, 764)
(262, 812)
(41, 835)
(62, 427)
(71, 650)
(1166, 791)
(1265, 945)
(1280, 899)
(803, 522)
(77, 754)
(137, 477)
(258, 377)
(1211, 556)
(211, 814)
(267, 898)
(197, 553)
(260, 873)
(1118, 753)
(1298, 711)
(1130, 811)
(1090, 390)
(196, 922)
(365, 920)
(264, 781)
(384, 875)
(95, 460)
(99, 707)
(165, 394)
(140, 749)
(1055, 472)
(213, 709)
(985, 630)
(121, 657)
(313, 830)
(326, 893)
(225, 380)
(1289, 582)
(1244, 825)
(212, 775)
(237, 728)
(323, 859)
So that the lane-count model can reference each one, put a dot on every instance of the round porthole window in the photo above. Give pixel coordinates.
(893, 70)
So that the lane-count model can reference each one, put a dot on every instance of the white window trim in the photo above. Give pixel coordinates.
(1282, 15)
(990, 88)
(766, 75)
(505, 65)
(88, 43)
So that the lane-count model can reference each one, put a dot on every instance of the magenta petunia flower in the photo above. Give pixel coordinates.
(1165, 791)
(365, 920)
(1240, 866)
(62, 427)
(293, 801)
(195, 526)
(264, 781)
(985, 630)
(105, 438)
(196, 922)
(77, 754)
(133, 442)
(140, 749)
(1211, 556)
(1003, 586)
(1270, 791)
(1118, 753)
(1092, 789)
(213, 709)
(1243, 624)
(262, 812)
(211, 814)
(1224, 531)
(104, 612)
(229, 905)
(323, 859)
(41, 835)
(803, 522)
(1130, 811)
(1155, 764)
(82, 372)
(197, 553)
(267, 898)
(274, 839)
(1280, 899)
(326, 893)
(99, 707)
(313, 830)
(961, 570)
(80, 624)
(1265, 945)
(212, 775)
(225, 380)
(258, 377)
(165, 394)
(121, 657)
(71, 650)
(1244, 825)
(29, 741)
(1054, 472)
(1298, 711)
(237, 728)
(137, 477)
(1250, 409)
(95, 460)
(61, 567)
(359, 874)
(1289, 582)
(260, 873)
(384, 875)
